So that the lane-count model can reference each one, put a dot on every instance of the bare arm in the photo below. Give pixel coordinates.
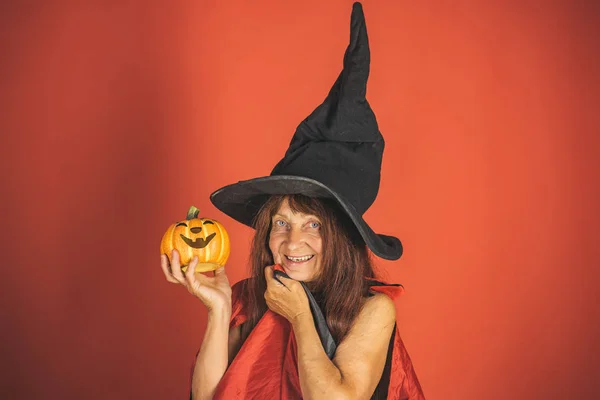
(216, 353)
(212, 359)
(359, 361)
(219, 345)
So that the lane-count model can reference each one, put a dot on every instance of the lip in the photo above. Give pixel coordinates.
(289, 263)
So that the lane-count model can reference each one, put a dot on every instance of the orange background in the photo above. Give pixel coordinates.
(116, 117)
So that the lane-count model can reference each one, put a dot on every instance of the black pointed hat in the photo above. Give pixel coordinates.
(335, 153)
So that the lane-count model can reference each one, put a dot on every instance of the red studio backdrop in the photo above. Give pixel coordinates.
(116, 117)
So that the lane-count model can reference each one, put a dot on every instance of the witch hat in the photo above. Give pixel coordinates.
(335, 153)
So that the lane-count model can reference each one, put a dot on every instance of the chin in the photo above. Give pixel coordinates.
(299, 275)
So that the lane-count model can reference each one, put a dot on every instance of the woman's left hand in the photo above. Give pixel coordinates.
(287, 298)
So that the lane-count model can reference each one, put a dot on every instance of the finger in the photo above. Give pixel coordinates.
(190, 271)
(164, 265)
(286, 282)
(269, 277)
(278, 267)
(276, 278)
(220, 271)
(176, 267)
(267, 298)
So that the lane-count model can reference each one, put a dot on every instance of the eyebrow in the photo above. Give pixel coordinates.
(308, 216)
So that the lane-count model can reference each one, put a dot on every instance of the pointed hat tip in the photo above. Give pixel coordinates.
(357, 7)
(359, 43)
(357, 18)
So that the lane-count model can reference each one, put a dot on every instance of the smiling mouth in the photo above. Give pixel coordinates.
(299, 259)
(199, 243)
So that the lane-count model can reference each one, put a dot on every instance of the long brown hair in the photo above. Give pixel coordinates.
(344, 265)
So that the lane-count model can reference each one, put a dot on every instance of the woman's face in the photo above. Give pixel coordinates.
(295, 242)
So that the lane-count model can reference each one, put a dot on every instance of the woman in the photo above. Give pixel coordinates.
(267, 338)
(313, 244)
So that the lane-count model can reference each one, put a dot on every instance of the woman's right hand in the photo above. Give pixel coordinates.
(214, 292)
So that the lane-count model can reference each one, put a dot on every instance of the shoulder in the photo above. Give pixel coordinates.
(239, 299)
(242, 282)
(377, 314)
(239, 287)
(379, 309)
(239, 303)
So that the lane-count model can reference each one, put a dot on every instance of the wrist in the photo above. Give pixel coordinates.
(220, 313)
(302, 318)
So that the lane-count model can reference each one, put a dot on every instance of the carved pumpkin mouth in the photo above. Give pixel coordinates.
(199, 243)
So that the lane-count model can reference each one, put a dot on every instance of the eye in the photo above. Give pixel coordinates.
(280, 223)
(315, 225)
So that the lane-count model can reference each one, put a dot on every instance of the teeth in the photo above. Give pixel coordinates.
(299, 259)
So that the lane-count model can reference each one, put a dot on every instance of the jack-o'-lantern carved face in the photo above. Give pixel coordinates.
(202, 237)
(199, 242)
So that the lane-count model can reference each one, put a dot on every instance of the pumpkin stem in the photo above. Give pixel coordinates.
(192, 213)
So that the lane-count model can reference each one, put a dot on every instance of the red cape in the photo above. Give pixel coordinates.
(266, 367)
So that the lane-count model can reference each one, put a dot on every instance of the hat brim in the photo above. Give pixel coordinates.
(242, 201)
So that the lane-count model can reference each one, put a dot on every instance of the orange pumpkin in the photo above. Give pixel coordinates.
(202, 237)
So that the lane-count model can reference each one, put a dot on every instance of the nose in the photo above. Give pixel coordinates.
(196, 230)
(295, 239)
